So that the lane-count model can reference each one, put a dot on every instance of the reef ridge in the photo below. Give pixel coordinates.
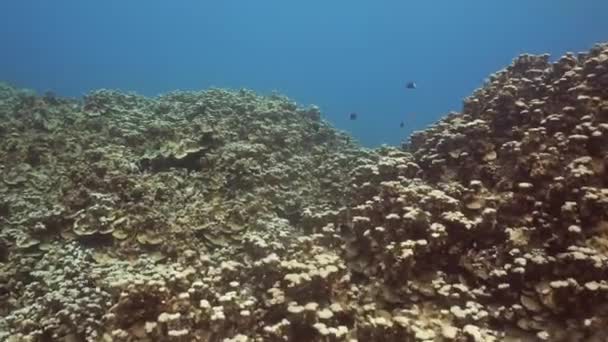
(229, 216)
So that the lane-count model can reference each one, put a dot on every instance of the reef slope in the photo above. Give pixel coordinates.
(227, 216)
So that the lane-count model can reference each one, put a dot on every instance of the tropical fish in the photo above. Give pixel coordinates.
(353, 116)
(410, 85)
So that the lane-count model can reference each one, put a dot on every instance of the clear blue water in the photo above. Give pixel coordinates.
(345, 56)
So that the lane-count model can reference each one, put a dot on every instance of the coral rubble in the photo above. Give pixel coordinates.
(227, 216)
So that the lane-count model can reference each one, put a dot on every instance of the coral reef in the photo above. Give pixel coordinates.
(228, 216)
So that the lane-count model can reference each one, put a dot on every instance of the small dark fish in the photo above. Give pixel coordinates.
(353, 116)
(410, 85)
(402, 124)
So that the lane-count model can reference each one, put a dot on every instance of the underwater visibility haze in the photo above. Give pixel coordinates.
(344, 56)
(253, 199)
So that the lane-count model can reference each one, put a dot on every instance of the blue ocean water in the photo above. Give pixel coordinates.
(345, 56)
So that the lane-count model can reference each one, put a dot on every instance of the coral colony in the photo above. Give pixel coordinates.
(228, 216)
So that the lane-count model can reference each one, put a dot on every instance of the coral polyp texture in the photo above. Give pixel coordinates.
(228, 216)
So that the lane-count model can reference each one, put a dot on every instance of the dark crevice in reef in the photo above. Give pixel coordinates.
(193, 161)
